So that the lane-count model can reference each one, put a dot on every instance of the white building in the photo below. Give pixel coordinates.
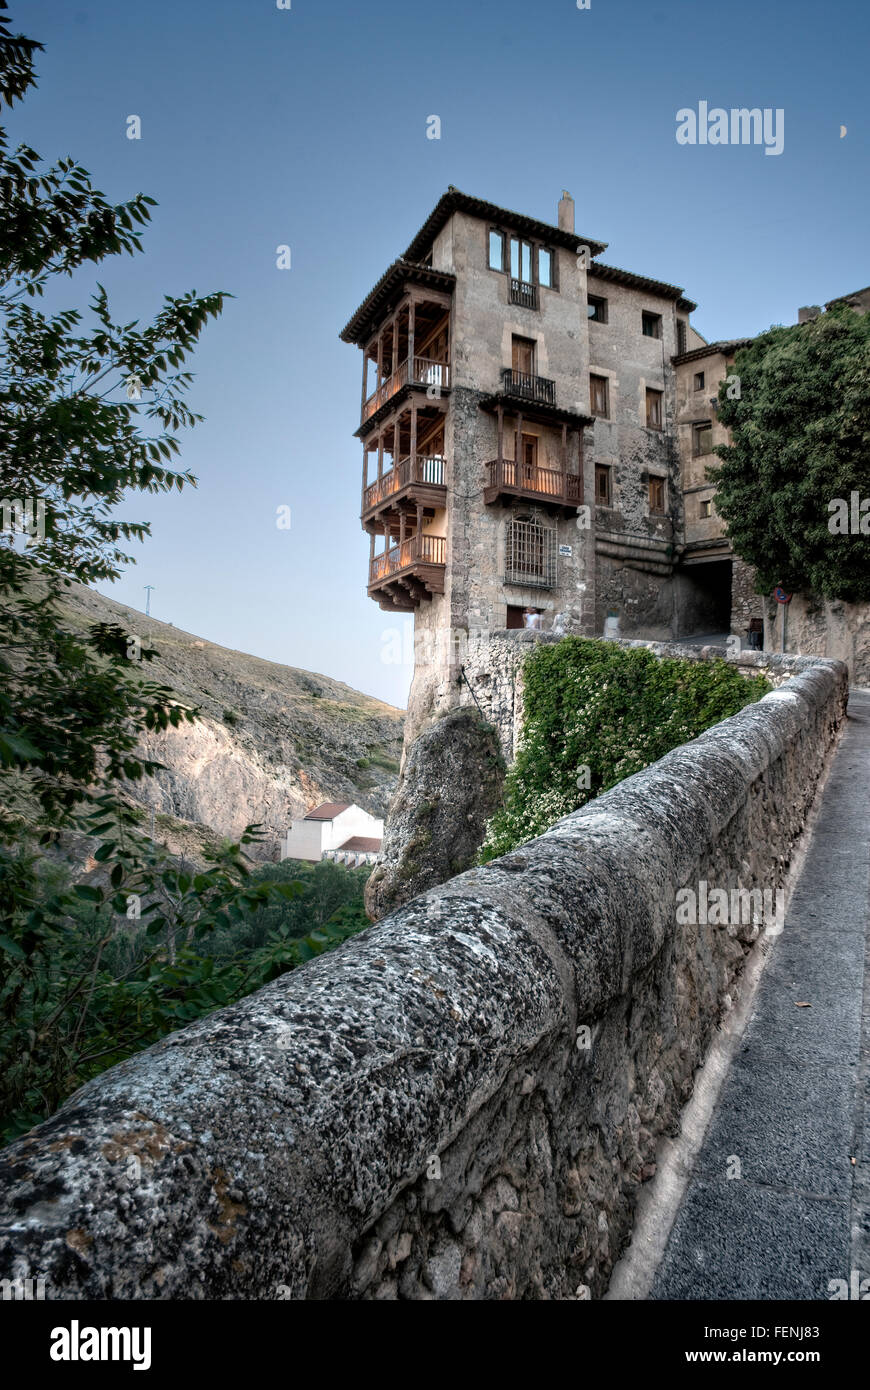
(335, 830)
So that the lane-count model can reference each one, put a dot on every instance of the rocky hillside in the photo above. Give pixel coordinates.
(271, 743)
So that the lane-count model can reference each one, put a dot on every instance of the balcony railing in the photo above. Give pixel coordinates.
(417, 550)
(523, 293)
(421, 469)
(506, 475)
(528, 388)
(423, 371)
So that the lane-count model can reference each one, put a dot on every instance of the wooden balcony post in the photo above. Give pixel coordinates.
(518, 447)
(418, 544)
(411, 325)
(380, 360)
(380, 456)
(565, 461)
(396, 341)
(365, 377)
(401, 528)
(365, 481)
(500, 431)
(413, 472)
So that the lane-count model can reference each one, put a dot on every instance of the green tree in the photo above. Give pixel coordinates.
(87, 415)
(92, 970)
(800, 439)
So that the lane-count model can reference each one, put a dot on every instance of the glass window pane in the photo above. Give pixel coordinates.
(544, 268)
(496, 252)
(515, 258)
(527, 262)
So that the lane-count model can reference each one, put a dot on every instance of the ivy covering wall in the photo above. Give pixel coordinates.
(595, 713)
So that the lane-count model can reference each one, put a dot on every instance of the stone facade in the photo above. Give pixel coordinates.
(464, 1101)
(578, 419)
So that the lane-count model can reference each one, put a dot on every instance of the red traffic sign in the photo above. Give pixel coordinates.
(780, 595)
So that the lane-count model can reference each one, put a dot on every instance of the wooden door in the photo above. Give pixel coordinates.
(529, 460)
(523, 356)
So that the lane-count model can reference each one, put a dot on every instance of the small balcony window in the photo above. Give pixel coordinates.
(496, 251)
(653, 409)
(521, 260)
(657, 495)
(702, 439)
(599, 396)
(602, 484)
(681, 335)
(652, 325)
(596, 308)
(545, 268)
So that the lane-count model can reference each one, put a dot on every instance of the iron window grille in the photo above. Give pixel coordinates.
(530, 554)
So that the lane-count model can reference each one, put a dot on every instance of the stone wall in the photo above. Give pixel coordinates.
(462, 1102)
(823, 627)
(493, 663)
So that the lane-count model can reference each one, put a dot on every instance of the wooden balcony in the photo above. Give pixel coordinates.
(422, 372)
(408, 572)
(550, 487)
(521, 386)
(421, 478)
(524, 294)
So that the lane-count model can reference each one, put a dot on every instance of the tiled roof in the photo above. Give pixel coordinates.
(328, 810)
(455, 201)
(388, 291)
(641, 282)
(710, 349)
(363, 844)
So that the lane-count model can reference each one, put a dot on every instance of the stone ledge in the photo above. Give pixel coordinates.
(286, 1146)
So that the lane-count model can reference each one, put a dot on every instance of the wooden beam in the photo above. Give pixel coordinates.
(500, 431)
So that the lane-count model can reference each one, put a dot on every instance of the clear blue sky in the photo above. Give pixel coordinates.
(307, 127)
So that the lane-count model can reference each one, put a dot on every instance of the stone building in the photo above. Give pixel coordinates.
(536, 427)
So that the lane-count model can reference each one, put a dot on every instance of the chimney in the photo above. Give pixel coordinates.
(809, 311)
(566, 212)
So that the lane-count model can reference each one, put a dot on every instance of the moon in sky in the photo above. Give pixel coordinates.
(842, 131)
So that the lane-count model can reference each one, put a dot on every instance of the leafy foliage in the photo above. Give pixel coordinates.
(801, 437)
(611, 710)
(91, 972)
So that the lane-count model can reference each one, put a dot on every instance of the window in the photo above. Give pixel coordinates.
(598, 395)
(596, 308)
(681, 335)
(653, 409)
(523, 356)
(530, 554)
(514, 616)
(699, 381)
(545, 268)
(702, 438)
(496, 251)
(521, 260)
(652, 325)
(657, 495)
(706, 508)
(602, 485)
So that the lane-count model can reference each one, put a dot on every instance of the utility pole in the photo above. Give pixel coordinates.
(148, 588)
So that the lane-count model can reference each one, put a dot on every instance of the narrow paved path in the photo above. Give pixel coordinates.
(794, 1110)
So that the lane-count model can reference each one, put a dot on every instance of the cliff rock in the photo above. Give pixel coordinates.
(449, 787)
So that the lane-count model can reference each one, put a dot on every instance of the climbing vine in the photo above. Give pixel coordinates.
(594, 714)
